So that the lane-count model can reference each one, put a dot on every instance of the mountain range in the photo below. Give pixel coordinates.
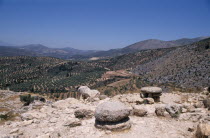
(7, 49)
(185, 67)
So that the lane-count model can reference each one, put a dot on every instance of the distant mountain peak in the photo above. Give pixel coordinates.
(35, 45)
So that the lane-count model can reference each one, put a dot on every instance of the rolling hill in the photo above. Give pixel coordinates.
(43, 51)
(186, 67)
(71, 53)
(146, 44)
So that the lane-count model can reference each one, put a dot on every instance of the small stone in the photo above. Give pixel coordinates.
(8, 123)
(108, 132)
(174, 110)
(36, 121)
(134, 99)
(207, 103)
(139, 111)
(53, 120)
(149, 101)
(102, 97)
(189, 107)
(25, 123)
(198, 105)
(190, 129)
(26, 116)
(83, 113)
(184, 110)
(160, 110)
(73, 123)
(15, 130)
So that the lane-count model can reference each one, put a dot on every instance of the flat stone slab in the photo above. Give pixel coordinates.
(114, 126)
(151, 90)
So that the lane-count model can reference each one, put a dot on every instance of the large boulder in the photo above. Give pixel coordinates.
(203, 131)
(86, 92)
(111, 111)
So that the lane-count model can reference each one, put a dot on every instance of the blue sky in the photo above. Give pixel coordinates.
(101, 24)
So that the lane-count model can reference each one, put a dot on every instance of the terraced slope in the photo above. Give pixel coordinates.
(45, 74)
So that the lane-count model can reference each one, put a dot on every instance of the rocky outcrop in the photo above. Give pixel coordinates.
(59, 119)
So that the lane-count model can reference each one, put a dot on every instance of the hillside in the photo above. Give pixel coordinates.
(151, 44)
(145, 45)
(186, 67)
(12, 51)
(45, 74)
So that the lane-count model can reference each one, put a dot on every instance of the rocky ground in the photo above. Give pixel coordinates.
(75, 118)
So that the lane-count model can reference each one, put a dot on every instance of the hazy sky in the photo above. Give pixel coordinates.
(101, 24)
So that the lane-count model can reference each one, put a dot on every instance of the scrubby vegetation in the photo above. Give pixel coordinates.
(27, 99)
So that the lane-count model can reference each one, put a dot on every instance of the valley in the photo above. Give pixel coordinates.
(185, 67)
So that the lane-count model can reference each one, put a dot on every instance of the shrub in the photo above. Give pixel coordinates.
(27, 99)
(108, 92)
(4, 117)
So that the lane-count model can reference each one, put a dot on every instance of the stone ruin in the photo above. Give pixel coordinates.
(151, 92)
